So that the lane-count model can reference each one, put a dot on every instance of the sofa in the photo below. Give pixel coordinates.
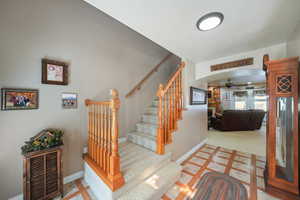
(238, 120)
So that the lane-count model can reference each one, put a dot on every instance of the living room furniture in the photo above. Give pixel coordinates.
(42, 175)
(238, 120)
(282, 168)
(215, 185)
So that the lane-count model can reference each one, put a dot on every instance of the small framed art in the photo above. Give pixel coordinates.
(54, 72)
(69, 100)
(197, 96)
(19, 99)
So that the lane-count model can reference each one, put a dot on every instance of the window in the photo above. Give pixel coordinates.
(240, 103)
(260, 102)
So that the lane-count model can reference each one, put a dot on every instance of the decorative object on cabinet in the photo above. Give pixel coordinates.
(46, 139)
(54, 72)
(197, 96)
(282, 168)
(69, 100)
(19, 99)
(42, 174)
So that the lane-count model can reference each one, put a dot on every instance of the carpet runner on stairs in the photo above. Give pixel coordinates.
(145, 133)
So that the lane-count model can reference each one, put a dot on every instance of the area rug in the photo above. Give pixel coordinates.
(218, 186)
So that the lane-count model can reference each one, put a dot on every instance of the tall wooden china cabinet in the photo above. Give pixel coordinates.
(282, 166)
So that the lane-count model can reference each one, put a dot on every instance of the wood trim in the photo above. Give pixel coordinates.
(155, 69)
(92, 102)
(82, 190)
(175, 75)
(101, 173)
(232, 64)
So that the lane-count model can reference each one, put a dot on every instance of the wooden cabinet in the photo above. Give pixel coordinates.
(42, 178)
(282, 168)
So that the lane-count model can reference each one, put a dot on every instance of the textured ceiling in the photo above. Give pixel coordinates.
(248, 25)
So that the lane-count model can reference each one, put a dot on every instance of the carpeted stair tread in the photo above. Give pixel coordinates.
(146, 140)
(147, 128)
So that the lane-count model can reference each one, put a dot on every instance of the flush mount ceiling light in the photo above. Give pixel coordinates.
(210, 21)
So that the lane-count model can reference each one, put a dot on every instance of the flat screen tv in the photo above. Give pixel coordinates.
(197, 96)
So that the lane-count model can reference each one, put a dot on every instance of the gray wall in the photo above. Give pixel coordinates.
(102, 54)
(293, 44)
(192, 129)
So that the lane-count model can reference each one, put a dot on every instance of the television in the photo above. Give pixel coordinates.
(197, 96)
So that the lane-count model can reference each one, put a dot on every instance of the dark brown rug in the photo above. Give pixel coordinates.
(218, 186)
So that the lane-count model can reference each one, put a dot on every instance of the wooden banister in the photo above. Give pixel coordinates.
(155, 69)
(170, 106)
(103, 133)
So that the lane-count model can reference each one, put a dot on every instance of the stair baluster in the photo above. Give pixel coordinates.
(103, 132)
(169, 109)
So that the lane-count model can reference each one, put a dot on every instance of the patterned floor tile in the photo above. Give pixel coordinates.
(226, 150)
(240, 175)
(186, 189)
(191, 168)
(242, 159)
(202, 155)
(260, 182)
(223, 154)
(216, 167)
(220, 160)
(241, 166)
(248, 155)
(259, 172)
(198, 161)
(260, 164)
(208, 150)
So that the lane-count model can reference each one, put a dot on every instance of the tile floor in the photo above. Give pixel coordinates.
(248, 168)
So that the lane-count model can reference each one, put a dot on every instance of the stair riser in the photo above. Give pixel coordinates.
(147, 129)
(143, 141)
(149, 119)
(152, 110)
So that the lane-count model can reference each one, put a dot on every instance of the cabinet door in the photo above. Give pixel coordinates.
(52, 180)
(36, 184)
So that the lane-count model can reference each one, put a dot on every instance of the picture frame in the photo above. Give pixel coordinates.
(19, 99)
(54, 72)
(69, 100)
(198, 96)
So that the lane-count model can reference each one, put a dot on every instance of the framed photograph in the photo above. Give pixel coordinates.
(54, 72)
(197, 96)
(69, 100)
(19, 99)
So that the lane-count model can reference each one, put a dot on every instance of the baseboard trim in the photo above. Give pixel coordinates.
(66, 180)
(73, 177)
(189, 153)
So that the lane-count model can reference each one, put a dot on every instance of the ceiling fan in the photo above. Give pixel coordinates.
(230, 84)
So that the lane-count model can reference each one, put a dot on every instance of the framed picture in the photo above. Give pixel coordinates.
(19, 99)
(54, 72)
(197, 96)
(69, 100)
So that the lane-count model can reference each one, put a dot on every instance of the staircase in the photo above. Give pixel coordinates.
(140, 168)
(145, 133)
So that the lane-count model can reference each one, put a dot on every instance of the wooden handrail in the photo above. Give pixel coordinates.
(170, 106)
(176, 74)
(103, 132)
(155, 69)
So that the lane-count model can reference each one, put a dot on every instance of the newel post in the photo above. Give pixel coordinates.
(115, 174)
(160, 145)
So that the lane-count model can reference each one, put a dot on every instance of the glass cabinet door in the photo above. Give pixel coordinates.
(284, 138)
